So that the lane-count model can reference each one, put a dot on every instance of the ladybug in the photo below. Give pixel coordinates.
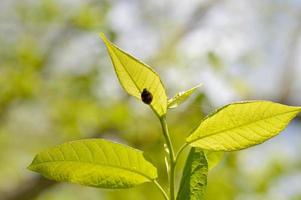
(146, 96)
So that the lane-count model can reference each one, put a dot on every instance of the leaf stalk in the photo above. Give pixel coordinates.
(171, 171)
(161, 189)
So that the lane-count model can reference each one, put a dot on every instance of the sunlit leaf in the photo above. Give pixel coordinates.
(95, 162)
(241, 125)
(135, 77)
(194, 179)
(181, 97)
(213, 158)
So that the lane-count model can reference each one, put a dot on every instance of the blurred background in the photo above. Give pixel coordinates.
(57, 84)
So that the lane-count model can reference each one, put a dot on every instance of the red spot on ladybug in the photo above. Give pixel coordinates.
(146, 96)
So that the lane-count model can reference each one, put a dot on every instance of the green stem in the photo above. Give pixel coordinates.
(161, 189)
(171, 171)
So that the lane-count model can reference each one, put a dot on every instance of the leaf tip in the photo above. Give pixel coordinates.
(199, 85)
(102, 36)
(30, 167)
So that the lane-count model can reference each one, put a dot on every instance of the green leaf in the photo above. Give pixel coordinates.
(241, 125)
(213, 158)
(135, 76)
(194, 179)
(95, 162)
(181, 97)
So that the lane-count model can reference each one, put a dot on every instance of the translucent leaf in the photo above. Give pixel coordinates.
(95, 162)
(181, 97)
(241, 125)
(194, 179)
(213, 158)
(136, 77)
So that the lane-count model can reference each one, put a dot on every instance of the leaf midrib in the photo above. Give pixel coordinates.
(246, 124)
(97, 164)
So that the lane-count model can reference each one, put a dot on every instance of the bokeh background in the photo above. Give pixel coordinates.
(57, 84)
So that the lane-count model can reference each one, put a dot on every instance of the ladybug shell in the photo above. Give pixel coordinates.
(146, 96)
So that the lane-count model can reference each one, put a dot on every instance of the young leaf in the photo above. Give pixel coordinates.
(241, 125)
(95, 162)
(137, 78)
(181, 97)
(194, 179)
(213, 158)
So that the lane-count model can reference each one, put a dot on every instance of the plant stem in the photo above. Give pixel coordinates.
(171, 172)
(161, 189)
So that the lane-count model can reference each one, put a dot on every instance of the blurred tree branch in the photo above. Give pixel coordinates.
(289, 68)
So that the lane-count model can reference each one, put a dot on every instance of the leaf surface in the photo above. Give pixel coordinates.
(194, 179)
(135, 76)
(95, 162)
(240, 125)
(181, 97)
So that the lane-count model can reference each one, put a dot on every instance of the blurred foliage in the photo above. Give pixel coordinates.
(46, 100)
